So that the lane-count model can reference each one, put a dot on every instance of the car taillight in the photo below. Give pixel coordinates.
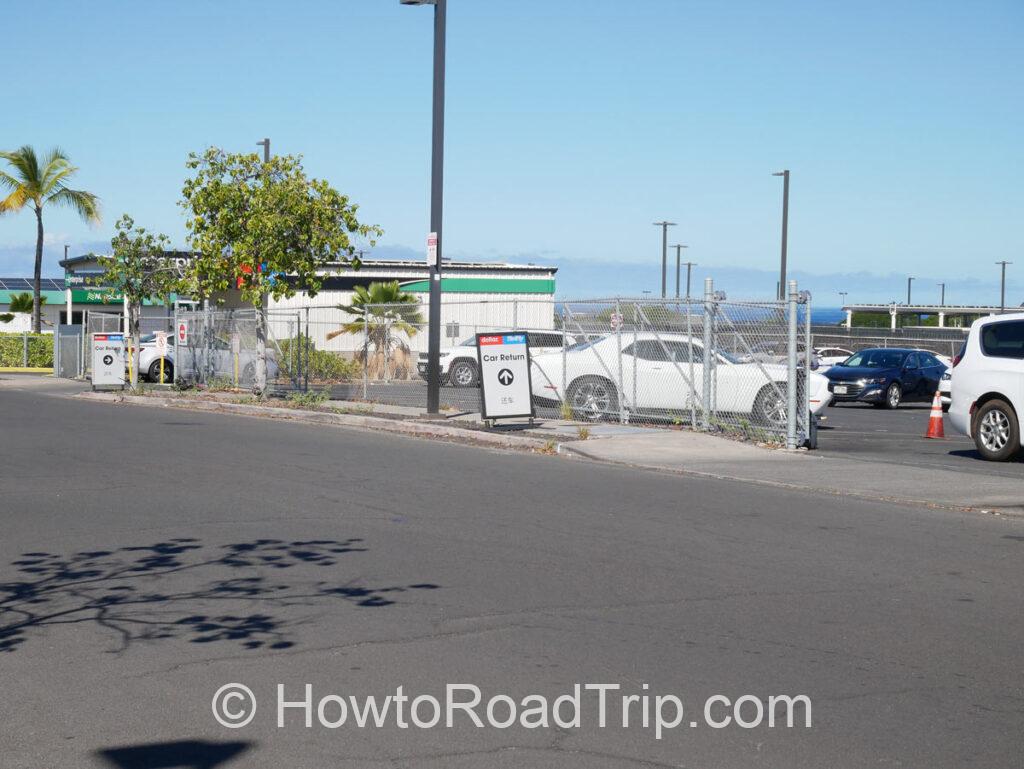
(959, 354)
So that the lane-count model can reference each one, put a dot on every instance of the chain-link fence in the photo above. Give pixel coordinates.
(220, 349)
(636, 360)
(943, 341)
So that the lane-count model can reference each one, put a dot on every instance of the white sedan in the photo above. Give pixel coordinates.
(825, 358)
(659, 376)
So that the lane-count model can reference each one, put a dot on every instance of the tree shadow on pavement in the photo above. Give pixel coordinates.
(183, 589)
(194, 754)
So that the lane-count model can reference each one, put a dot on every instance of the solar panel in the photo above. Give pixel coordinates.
(25, 284)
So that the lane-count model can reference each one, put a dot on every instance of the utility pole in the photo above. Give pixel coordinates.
(266, 149)
(785, 231)
(664, 255)
(436, 204)
(689, 267)
(910, 280)
(1002, 287)
(679, 250)
(942, 300)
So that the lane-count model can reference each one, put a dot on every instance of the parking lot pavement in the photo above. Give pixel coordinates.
(856, 431)
(150, 556)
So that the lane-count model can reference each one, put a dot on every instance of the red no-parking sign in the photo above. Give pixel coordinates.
(182, 332)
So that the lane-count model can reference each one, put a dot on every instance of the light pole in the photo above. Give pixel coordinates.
(1002, 287)
(942, 300)
(689, 267)
(436, 203)
(843, 295)
(266, 149)
(679, 250)
(910, 279)
(785, 229)
(664, 255)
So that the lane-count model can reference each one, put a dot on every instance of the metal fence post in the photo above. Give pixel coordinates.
(565, 395)
(24, 349)
(366, 353)
(709, 311)
(791, 375)
(618, 347)
(305, 367)
(812, 425)
(689, 356)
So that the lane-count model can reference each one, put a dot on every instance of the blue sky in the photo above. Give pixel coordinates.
(570, 128)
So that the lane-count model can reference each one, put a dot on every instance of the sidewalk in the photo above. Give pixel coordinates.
(714, 457)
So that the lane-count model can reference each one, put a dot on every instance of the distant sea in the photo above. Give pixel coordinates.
(820, 316)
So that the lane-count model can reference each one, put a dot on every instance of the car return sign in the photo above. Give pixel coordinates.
(108, 360)
(504, 360)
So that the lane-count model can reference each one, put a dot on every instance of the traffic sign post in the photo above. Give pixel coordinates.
(160, 342)
(182, 336)
(108, 360)
(505, 386)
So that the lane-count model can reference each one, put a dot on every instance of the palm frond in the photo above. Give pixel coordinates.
(6, 317)
(26, 164)
(23, 302)
(85, 204)
(15, 201)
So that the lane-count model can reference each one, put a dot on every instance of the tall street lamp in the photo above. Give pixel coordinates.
(942, 300)
(785, 230)
(266, 149)
(910, 279)
(1002, 287)
(843, 295)
(679, 250)
(436, 203)
(664, 255)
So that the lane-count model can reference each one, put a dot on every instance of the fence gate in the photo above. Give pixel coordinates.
(67, 352)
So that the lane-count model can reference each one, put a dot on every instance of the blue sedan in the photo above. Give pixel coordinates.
(886, 377)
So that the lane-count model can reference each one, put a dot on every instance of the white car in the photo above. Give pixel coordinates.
(988, 386)
(825, 358)
(946, 389)
(459, 364)
(655, 379)
(221, 358)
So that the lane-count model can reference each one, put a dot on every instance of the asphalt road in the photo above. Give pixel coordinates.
(859, 431)
(150, 556)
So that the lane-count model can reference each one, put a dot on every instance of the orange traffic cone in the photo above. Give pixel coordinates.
(935, 419)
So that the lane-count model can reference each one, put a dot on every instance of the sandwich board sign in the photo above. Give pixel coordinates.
(108, 360)
(504, 362)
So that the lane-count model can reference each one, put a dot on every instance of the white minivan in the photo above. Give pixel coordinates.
(988, 386)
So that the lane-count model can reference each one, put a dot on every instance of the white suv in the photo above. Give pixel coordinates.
(988, 386)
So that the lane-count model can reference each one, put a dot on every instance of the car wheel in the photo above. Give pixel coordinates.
(154, 371)
(996, 431)
(770, 406)
(592, 397)
(463, 374)
(893, 395)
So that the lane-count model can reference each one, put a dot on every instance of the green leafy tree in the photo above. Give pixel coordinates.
(40, 184)
(19, 303)
(139, 269)
(264, 229)
(379, 310)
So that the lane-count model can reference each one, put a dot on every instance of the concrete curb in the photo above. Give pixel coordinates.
(359, 421)
(575, 450)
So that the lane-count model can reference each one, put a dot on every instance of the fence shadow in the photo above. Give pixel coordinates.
(168, 591)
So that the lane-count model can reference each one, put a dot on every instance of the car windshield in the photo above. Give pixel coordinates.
(145, 338)
(875, 359)
(583, 345)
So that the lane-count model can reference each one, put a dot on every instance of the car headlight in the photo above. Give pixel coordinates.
(947, 377)
(873, 381)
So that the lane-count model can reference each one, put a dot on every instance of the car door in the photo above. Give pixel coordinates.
(662, 368)
(911, 378)
(932, 370)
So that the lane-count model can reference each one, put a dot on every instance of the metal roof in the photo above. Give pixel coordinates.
(25, 284)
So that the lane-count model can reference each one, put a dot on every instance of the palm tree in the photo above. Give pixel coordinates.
(39, 184)
(379, 310)
(19, 303)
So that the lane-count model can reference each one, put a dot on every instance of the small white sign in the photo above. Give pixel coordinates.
(160, 342)
(182, 332)
(616, 321)
(108, 360)
(432, 249)
(504, 360)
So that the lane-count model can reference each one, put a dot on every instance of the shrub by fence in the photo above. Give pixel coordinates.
(31, 350)
(323, 365)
